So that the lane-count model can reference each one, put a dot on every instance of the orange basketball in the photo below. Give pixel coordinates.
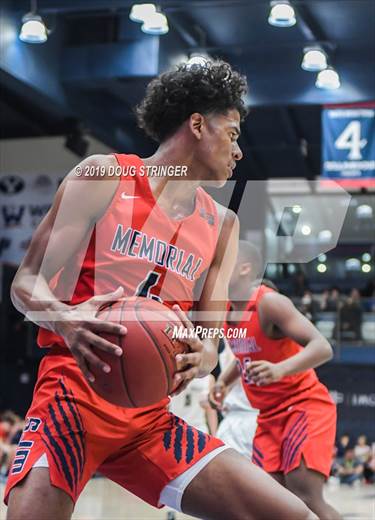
(143, 375)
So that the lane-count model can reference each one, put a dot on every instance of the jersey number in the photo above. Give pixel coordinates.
(350, 139)
(145, 287)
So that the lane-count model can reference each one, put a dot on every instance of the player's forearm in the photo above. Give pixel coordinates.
(212, 421)
(316, 352)
(210, 358)
(31, 295)
(230, 374)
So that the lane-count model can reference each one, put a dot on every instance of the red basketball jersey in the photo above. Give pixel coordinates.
(137, 246)
(258, 347)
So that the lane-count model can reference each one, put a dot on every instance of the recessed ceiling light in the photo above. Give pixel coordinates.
(155, 24)
(33, 29)
(325, 235)
(364, 211)
(282, 14)
(306, 230)
(328, 79)
(140, 12)
(314, 59)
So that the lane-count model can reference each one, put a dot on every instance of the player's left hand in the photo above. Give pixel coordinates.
(188, 365)
(264, 373)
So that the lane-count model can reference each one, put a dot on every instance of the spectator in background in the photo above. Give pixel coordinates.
(351, 469)
(6, 423)
(300, 284)
(362, 450)
(9, 443)
(331, 300)
(350, 317)
(369, 293)
(308, 306)
(369, 470)
(342, 446)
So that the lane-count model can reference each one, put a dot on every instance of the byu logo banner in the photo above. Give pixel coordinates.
(349, 144)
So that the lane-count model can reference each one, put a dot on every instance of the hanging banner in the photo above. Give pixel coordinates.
(348, 144)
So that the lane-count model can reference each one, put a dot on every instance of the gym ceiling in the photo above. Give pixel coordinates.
(93, 68)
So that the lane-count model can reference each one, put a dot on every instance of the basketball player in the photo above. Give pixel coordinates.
(126, 236)
(237, 429)
(297, 417)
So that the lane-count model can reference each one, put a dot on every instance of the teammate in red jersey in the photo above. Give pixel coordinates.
(155, 238)
(297, 417)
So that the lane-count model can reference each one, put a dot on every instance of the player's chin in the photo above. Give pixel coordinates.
(219, 182)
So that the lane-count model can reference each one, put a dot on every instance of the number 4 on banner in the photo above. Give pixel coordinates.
(350, 139)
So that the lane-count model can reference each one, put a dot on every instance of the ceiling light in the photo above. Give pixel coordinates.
(314, 59)
(352, 264)
(33, 29)
(328, 79)
(325, 235)
(282, 14)
(366, 268)
(296, 209)
(156, 24)
(140, 12)
(366, 257)
(322, 258)
(306, 230)
(364, 211)
(198, 59)
(321, 268)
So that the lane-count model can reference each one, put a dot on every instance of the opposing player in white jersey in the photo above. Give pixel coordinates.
(237, 429)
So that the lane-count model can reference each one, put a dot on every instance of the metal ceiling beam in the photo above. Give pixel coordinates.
(90, 63)
(34, 66)
(311, 30)
(101, 123)
(70, 6)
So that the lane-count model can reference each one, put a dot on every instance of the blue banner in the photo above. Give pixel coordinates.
(348, 146)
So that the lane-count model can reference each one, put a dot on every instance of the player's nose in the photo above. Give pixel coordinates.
(237, 152)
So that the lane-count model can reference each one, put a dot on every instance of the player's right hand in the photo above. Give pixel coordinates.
(217, 395)
(81, 330)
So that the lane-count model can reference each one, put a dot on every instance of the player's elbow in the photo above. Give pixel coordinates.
(18, 290)
(327, 351)
(15, 291)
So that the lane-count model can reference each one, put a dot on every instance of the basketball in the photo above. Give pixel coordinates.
(143, 375)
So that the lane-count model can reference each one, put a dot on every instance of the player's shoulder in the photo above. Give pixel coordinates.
(94, 167)
(273, 302)
(226, 216)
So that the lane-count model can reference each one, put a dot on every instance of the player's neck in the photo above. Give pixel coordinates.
(241, 294)
(176, 197)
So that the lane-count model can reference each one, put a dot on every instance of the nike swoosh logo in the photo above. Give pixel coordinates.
(126, 197)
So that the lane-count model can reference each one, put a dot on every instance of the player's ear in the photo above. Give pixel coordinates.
(196, 122)
(245, 268)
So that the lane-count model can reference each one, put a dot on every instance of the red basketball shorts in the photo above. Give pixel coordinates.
(142, 449)
(306, 428)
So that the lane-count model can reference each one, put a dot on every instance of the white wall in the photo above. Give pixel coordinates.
(42, 155)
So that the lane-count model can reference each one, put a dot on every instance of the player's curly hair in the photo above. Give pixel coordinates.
(174, 95)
